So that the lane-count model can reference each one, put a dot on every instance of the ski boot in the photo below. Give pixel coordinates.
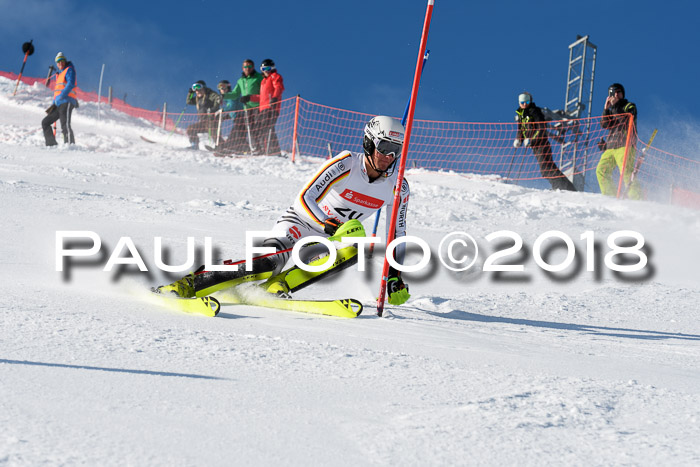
(279, 288)
(183, 288)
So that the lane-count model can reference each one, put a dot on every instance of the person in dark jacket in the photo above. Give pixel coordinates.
(207, 102)
(271, 89)
(532, 132)
(64, 101)
(616, 119)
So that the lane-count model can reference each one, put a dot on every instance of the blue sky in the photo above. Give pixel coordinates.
(360, 54)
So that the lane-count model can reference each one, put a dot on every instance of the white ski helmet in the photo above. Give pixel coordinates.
(385, 134)
(525, 97)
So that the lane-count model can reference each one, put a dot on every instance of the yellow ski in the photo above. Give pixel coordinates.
(207, 306)
(343, 308)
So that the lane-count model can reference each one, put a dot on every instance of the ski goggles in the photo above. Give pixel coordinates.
(388, 148)
(525, 102)
(265, 68)
(197, 87)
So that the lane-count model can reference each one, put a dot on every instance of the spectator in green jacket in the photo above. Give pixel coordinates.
(247, 92)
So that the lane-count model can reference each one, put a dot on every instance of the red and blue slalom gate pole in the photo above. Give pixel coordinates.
(404, 154)
(403, 122)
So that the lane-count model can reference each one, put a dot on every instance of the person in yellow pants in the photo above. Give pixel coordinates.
(616, 121)
(608, 160)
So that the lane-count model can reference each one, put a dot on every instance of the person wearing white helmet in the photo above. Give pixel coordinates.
(532, 132)
(346, 190)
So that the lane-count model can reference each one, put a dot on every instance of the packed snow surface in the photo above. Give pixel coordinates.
(529, 368)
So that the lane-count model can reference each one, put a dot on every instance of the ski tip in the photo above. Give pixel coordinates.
(206, 306)
(213, 304)
(353, 306)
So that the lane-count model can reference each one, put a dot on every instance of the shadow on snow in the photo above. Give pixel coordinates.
(115, 370)
(598, 330)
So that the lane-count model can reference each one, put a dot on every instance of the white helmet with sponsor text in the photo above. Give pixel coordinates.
(386, 136)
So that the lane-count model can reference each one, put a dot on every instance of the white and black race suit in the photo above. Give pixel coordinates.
(341, 189)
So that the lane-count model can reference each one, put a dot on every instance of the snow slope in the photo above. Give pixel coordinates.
(585, 368)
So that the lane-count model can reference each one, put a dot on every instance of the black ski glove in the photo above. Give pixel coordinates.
(244, 99)
(601, 144)
(273, 100)
(330, 226)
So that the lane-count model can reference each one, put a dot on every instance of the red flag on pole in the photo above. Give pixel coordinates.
(404, 153)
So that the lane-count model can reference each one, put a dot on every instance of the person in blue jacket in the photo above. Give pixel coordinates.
(64, 101)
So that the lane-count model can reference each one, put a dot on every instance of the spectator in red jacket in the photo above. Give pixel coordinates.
(271, 89)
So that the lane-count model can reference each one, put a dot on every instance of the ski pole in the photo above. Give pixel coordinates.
(247, 128)
(229, 262)
(210, 120)
(267, 145)
(403, 122)
(510, 166)
(28, 49)
(48, 76)
(638, 163)
(520, 167)
(176, 123)
(218, 129)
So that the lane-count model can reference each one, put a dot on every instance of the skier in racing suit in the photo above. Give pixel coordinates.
(346, 190)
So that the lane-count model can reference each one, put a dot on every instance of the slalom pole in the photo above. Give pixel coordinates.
(403, 122)
(295, 133)
(28, 49)
(404, 156)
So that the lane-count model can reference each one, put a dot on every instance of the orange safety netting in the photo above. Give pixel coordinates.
(461, 147)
